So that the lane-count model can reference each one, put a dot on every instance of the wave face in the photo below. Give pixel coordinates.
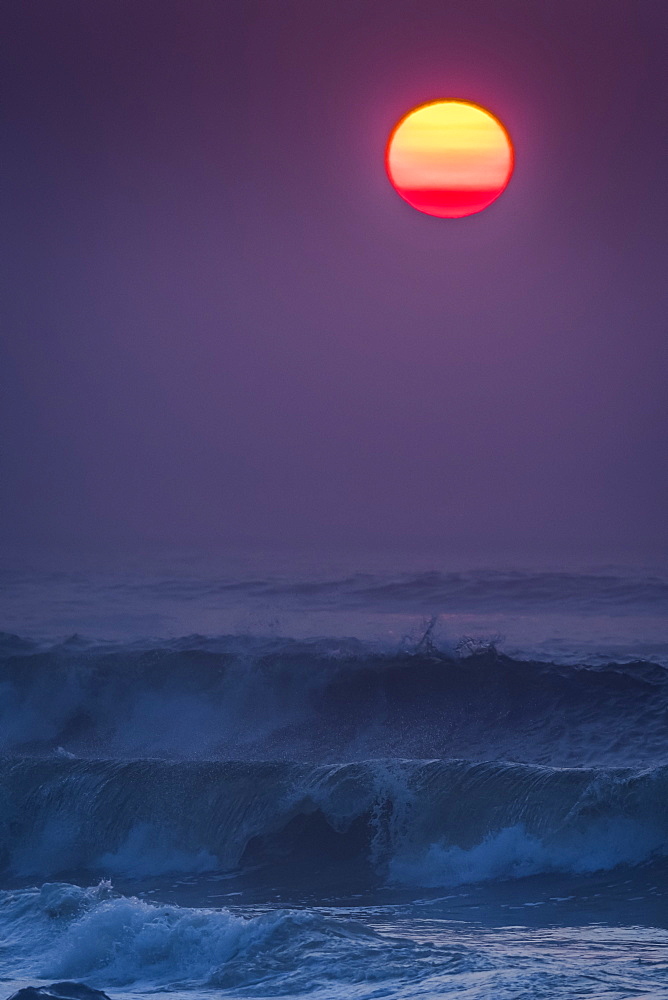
(430, 823)
(325, 701)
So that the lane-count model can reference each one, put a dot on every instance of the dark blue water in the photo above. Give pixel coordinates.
(380, 784)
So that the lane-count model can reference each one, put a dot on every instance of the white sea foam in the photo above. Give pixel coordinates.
(515, 853)
(147, 851)
(65, 932)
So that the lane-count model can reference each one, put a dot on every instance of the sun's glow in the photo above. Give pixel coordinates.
(449, 158)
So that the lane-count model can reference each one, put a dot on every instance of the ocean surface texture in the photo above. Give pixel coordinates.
(415, 783)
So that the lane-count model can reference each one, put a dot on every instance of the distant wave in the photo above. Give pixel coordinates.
(440, 822)
(324, 701)
(471, 590)
(476, 590)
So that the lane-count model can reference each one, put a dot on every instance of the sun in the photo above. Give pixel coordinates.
(449, 158)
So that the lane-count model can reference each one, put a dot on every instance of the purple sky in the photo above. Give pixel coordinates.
(220, 322)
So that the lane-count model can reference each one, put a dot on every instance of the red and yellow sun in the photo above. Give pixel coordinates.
(449, 158)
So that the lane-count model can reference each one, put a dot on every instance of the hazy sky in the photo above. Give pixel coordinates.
(220, 322)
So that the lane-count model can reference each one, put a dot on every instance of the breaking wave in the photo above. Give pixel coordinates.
(441, 822)
(106, 938)
(419, 766)
(325, 701)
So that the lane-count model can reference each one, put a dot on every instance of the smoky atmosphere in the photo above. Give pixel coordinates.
(221, 323)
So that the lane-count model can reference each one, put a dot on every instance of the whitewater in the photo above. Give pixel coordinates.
(403, 782)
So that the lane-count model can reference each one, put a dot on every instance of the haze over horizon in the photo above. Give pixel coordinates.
(221, 324)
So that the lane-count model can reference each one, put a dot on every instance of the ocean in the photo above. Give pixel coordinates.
(264, 777)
